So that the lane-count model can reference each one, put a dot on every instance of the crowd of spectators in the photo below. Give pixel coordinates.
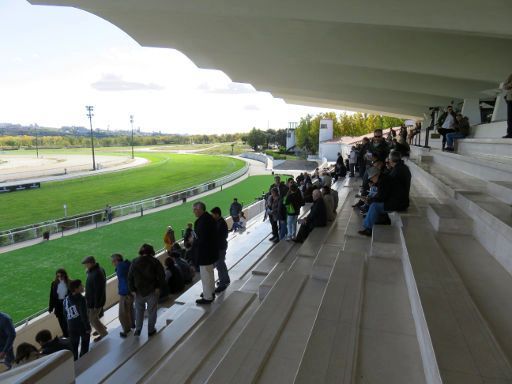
(146, 280)
(284, 202)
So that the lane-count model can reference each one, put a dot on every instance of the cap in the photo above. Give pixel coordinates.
(373, 171)
(89, 260)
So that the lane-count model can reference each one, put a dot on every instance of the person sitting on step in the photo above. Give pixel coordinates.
(461, 131)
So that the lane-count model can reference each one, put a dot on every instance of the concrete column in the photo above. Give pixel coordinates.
(500, 108)
(471, 109)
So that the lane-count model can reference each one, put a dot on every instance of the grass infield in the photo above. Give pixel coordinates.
(25, 283)
(166, 173)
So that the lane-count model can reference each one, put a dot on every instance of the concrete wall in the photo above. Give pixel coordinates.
(326, 131)
(329, 151)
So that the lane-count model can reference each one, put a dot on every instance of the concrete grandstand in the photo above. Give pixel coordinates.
(425, 300)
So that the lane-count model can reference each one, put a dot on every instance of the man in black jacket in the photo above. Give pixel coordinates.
(79, 327)
(145, 278)
(95, 294)
(51, 345)
(317, 217)
(393, 191)
(205, 248)
(222, 246)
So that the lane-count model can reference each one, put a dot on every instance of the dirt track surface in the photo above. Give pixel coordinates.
(20, 167)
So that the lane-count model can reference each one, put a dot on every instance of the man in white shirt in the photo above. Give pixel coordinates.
(446, 123)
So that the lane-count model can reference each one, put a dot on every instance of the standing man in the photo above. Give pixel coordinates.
(507, 87)
(7, 336)
(145, 278)
(79, 327)
(222, 246)
(95, 294)
(446, 123)
(277, 231)
(235, 209)
(125, 297)
(205, 250)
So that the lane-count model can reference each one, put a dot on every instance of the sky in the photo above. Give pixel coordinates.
(56, 60)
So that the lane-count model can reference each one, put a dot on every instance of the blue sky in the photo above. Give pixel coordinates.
(56, 60)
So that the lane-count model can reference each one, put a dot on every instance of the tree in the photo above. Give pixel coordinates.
(256, 137)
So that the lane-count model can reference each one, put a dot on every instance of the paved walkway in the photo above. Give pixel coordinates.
(255, 168)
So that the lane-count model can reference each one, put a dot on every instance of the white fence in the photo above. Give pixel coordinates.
(97, 218)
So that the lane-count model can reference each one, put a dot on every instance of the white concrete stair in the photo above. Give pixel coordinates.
(488, 147)
(246, 357)
(324, 262)
(386, 242)
(447, 218)
(502, 190)
(135, 368)
(189, 355)
(331, 352)
(276, 255)
(465, 347)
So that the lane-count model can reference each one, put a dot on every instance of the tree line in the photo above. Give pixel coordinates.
(306, 135)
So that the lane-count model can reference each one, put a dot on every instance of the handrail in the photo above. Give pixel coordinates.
(16, 235)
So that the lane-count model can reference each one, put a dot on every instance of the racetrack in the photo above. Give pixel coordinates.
(19, 167)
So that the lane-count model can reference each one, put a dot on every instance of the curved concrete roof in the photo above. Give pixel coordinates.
(390, 56)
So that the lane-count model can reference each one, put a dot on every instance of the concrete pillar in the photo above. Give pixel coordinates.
(500, 108)
(471, 109)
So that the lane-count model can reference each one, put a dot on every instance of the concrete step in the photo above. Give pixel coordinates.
(289, 347)
(489, 130)
(135, 368)
(463, 343)
(108, 355)
(331, 352)
(386, 242)
(269, 281)
(493, 148)
(502, 190)
(180, 366)
(492, 221)
(447, 218)
(488, 283)
(481, 166)
(324, 262)
(314, 241)
(388, 350)
(245, 359)
(276, 255)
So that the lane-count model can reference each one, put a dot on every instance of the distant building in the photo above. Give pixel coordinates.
(290, 135)
(327, 147)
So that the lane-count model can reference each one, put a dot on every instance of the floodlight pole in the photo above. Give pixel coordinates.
(37, 145)
(90, 109)
(131, 122)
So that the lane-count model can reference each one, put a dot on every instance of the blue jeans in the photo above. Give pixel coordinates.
(222, 269)
(376, 209)
(291, 222)
(450, 138)
(282, 229)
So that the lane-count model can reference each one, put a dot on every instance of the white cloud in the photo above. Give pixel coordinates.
(56, 69)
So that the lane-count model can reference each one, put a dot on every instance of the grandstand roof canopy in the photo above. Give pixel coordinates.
(389, 56)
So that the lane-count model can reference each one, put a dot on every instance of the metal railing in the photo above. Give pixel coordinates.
(98, 218)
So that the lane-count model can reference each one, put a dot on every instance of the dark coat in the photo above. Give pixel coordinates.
(379, 152)
(122, 270)
(317, 215)
(54, 303)
(146, 275)
(222, 234)
(293, 201)
(55, 345)
(393, 188)
(205, 244)
(95, 287)
(75, 311)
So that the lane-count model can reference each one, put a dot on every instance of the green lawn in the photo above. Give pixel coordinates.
(166, 173)
(28, 272)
